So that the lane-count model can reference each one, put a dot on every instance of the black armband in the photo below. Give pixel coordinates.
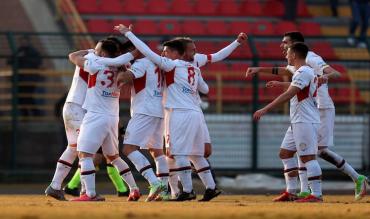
(275, 70)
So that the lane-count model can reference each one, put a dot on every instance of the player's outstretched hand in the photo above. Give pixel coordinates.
(271, 84)
(123, 29)
(258, 114)
(242, 38)
(251, 71)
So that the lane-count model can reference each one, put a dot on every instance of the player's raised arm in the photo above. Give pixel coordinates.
(117, 61)
(267, 70)
(77, 57)
(225, 52)
(162, 62)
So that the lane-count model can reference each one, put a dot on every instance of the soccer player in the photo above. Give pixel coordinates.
(184, 134)
(73, 114)
(301, 136)
(146, 126)
(72, 186)
(327, 114)
(100, 124)
(200, 60)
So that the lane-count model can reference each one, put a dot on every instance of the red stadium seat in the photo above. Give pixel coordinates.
(87, 6)
(262, 28)
(239, 26)
(269, 50)
(218, 67)
(285, 26)
(205, 7)
(274, 8)
(154, 46)
(99, 26)
(193, 27)
(324, 49)
(342, 69)
(239, 53)
(135, 7)
(170, 27)
(310, 29)
(206, 47)
(111, 7)
(302, 9)
(182, 7)
(121, 21)
(251, 8)
(218, 28)
(158, 7)
(239, 67)
(229, 8)
(148, 27)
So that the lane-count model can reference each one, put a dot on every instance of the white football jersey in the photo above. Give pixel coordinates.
(201, 60)
(318, 64)
(303, 106)
(182, 79)
(102, 94)
(147, 90)
(77, 92)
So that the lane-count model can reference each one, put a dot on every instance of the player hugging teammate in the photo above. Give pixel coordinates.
(177, 117)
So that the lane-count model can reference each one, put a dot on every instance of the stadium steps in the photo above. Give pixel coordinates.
(352, 53)
(359, 74)
(324, 10)
(337, 30)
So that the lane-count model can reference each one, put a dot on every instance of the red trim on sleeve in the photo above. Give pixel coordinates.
(84, 75)
(170, 77)
(304, 93)
(92, 80)
(139, 83)
(209, 58)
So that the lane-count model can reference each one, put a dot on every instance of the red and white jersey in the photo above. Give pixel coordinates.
(182, 79)
(147, 90)
(77, 92)
(318, 64)
(303, 107)
(201, 60)
(102, 94)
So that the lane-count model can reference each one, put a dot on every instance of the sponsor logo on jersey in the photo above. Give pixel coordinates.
(110, 94)
(157, 93)
(187, 90)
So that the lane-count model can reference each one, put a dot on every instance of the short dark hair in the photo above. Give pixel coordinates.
(299, 49)
(295, 36)
(110, 47)
(116, 40)
(127, 46)
(176, 44)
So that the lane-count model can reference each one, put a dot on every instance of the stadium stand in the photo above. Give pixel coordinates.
(215, 23)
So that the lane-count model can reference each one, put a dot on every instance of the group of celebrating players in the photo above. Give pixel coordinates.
(165, 106)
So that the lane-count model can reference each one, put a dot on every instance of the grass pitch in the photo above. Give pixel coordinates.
(226, 206)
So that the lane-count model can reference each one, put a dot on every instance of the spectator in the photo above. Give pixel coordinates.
(360, 14)
(290, 10)
(334, 8)
(28, 58)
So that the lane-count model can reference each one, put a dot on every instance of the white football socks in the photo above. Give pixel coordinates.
(173, 179)
(125, 172)
(290, 165)
(162, 169)
(184, 172)
(88, 175)
(143, 166)
(302, 171)
(64, 165)
(314, 177)
(204, 171)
